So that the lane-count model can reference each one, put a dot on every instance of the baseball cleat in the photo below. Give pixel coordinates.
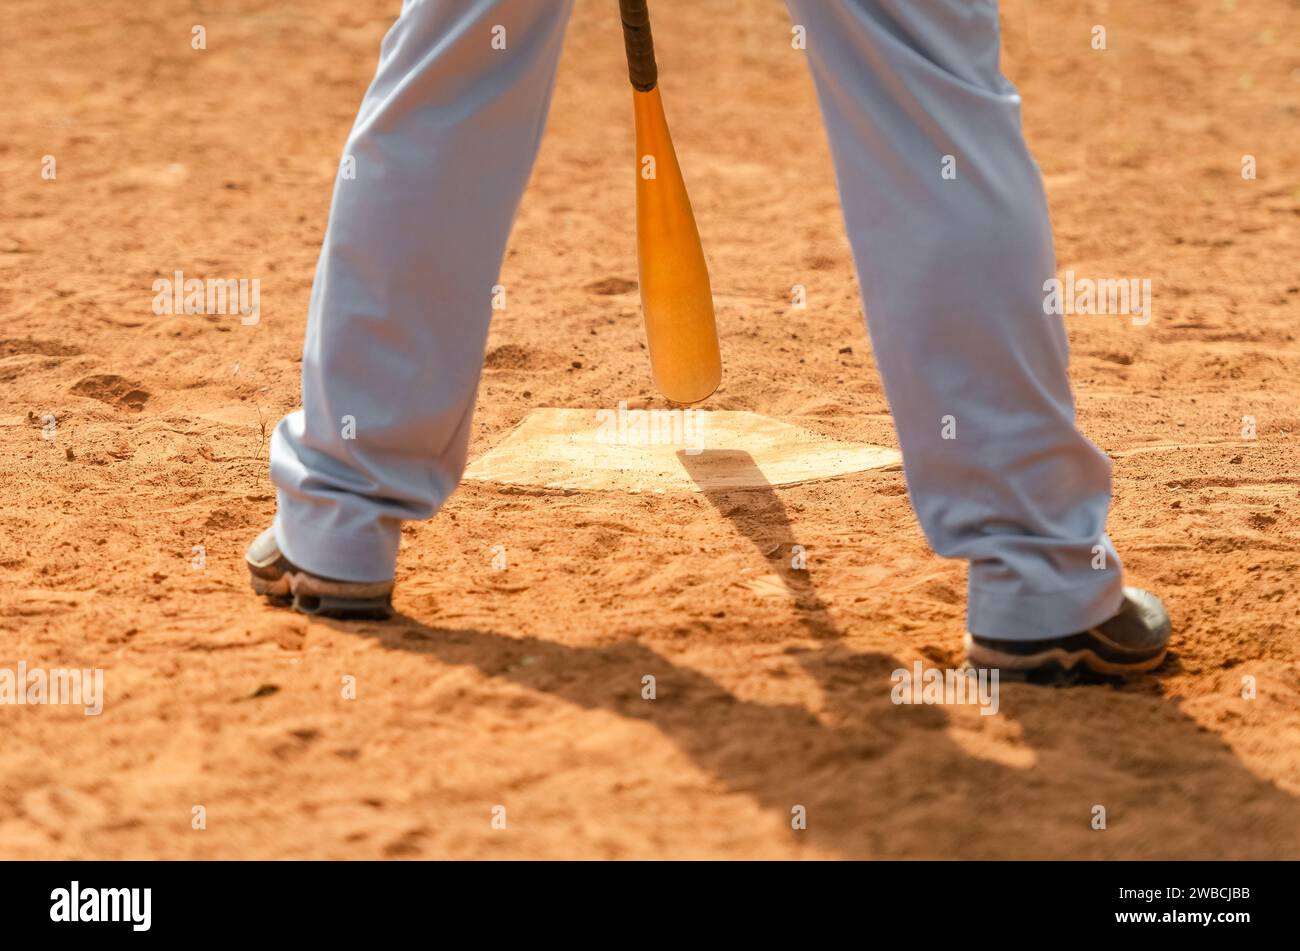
(285, 584)
(1132, 641)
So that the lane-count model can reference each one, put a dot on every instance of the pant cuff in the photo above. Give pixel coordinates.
(367, 557)
(1031, 617)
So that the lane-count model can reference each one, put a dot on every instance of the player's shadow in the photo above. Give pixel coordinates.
(882, 780)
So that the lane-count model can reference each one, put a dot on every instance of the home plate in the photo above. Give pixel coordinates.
(668, 451)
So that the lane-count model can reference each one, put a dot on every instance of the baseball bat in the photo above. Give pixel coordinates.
(681, 334)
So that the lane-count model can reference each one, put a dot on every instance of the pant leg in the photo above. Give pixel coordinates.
(952, 275)
(443, 145)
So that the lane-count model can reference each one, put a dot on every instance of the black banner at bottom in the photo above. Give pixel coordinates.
(619, 901)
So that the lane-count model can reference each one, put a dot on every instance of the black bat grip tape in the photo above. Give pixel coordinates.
(641, 68)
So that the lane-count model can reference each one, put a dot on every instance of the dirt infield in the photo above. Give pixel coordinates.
(522, 686)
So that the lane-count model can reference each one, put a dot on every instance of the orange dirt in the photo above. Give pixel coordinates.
(522, 687)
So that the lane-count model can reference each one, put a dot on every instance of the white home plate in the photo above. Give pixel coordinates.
(668, 451)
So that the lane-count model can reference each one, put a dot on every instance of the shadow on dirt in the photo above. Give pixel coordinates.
(881, 780)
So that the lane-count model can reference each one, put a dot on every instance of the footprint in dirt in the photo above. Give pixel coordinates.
(47, 348)
(113, 390)
(510, 356)
(611, 286)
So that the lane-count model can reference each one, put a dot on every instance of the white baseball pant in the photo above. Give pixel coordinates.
(952, 269)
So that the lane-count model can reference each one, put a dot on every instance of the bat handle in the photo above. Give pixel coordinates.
(641, 68)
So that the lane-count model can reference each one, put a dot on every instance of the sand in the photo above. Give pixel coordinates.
(530, 617)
